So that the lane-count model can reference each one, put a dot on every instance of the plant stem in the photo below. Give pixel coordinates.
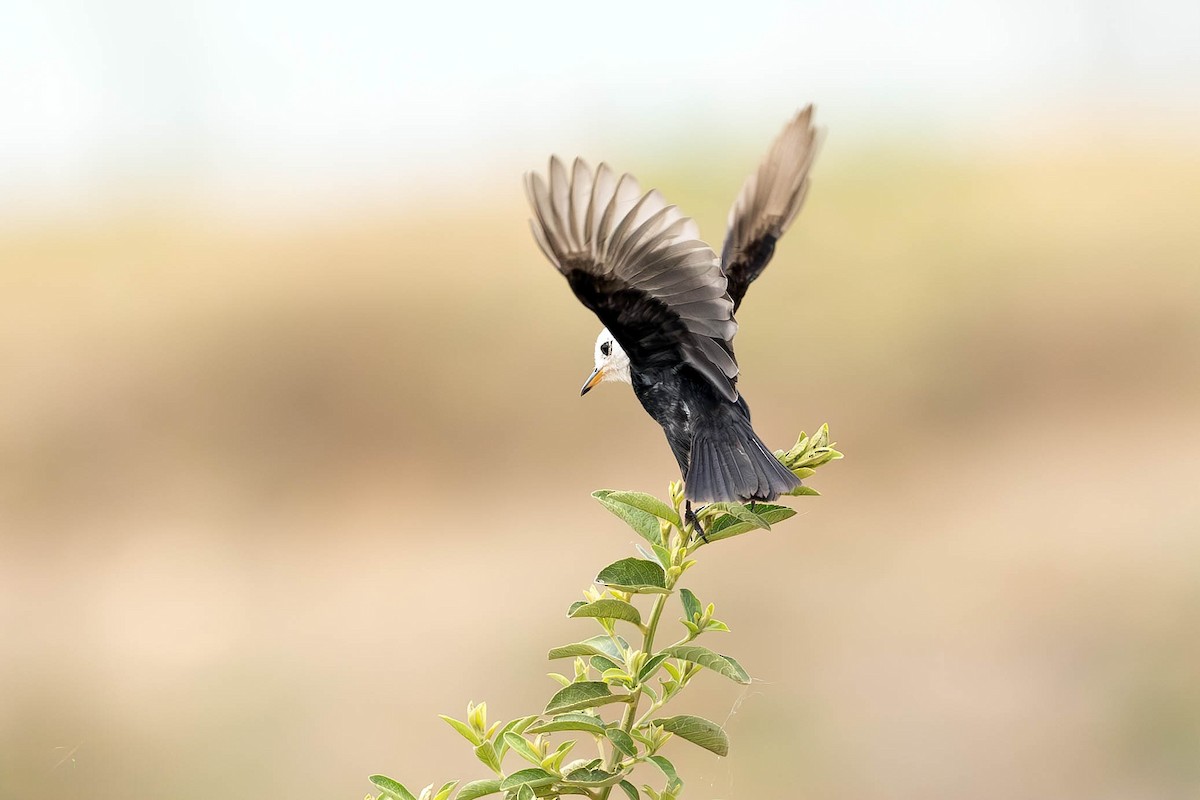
(660, 602)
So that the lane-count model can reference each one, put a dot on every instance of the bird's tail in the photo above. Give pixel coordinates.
(729, 463)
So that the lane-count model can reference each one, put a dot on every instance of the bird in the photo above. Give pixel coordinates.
(667, 302)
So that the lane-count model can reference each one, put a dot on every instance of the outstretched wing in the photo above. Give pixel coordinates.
(639, 264)
(769, 201)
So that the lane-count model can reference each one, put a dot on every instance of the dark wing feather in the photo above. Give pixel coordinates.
(639, 264)
(768, 202)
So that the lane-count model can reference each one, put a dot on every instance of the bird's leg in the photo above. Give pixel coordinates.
(690, 516)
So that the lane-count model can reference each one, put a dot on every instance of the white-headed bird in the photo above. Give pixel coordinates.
(667, 302)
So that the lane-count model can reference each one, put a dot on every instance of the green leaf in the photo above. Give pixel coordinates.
(641, 737)
(519, 745)
(526, 792)
(648, 503)
(727, 526)
(804, 491)
(698, 731)
(735, 664)
(741, 513)
(519, 724)
(444, 792)
(608, 608)
(622, 741)
(603, 663)
(649, 555)
(585, 694)
(476, 789)
(644, 523)
(553, 761)
(392, 788)
(616, 675)
(571, 722)
(595, 646)
(575, 605)
(487, 754)
(772, 513)
(650, 667)
(464, 729)
(534, 776)
(691, 606)
(667, 768)
(634, 575)
(709, 660)
(593, 777)
(807, 454)
(821, 437)
(630, 791)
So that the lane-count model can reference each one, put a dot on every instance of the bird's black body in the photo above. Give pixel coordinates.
(669, 395)
(683, 399)
(668, 302)
(729, 459)
(685, 405)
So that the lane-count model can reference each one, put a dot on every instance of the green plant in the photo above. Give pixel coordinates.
(611, 672)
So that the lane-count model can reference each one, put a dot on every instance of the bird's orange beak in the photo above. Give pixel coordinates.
(596, 376)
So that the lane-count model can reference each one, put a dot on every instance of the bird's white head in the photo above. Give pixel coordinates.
(612, 364)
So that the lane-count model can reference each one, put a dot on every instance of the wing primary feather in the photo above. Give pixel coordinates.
(542, 244)
(596, 202)
(581, 180)
(539, 199)
(559, 191)
(606, 218)
(672, 232)
(625, 224)
(633, 239)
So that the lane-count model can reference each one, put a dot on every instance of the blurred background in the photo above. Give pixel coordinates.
(292, 456)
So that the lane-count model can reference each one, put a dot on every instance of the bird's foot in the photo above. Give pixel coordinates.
(689, 517)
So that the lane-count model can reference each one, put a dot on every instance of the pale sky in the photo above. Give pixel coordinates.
(228, 99)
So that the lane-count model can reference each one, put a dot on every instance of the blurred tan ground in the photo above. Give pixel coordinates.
(274, 496)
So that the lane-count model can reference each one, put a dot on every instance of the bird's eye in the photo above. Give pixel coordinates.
(606, 349)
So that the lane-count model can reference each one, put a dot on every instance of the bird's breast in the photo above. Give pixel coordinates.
(664, 398)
